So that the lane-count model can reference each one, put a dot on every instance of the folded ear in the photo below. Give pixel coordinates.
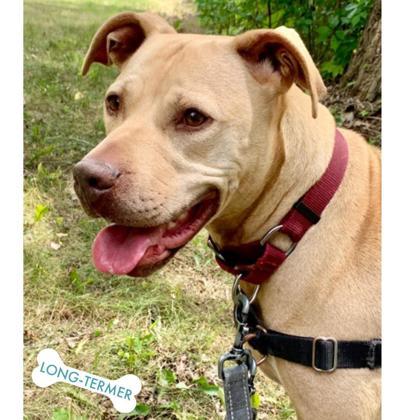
(281, 52)
(120, 36)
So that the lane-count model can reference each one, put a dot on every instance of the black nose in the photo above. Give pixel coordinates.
(94, 176)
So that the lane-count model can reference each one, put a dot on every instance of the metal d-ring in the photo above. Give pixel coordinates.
(270, 233)
(251, 336)
(236, 289)
(264, 358)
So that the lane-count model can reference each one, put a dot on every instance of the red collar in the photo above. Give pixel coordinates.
(257, 261)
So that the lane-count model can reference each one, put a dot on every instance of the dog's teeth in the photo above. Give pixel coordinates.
(183, 216)
(171, 225)
(175, 223)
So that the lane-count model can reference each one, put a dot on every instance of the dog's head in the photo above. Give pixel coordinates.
(180, 117)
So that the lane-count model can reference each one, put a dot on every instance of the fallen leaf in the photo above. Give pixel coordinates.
(55, 246)
(78, 96)
(72, 341)
(182, 385)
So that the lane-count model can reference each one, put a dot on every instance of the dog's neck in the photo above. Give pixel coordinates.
(296, 156)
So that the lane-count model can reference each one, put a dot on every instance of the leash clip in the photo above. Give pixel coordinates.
(236, 290)
(239, 356)
(242, 375)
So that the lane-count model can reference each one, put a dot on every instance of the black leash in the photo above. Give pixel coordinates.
(238, 380)
(237, 393)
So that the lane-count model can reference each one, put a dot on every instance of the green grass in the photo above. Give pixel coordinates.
(168, 329)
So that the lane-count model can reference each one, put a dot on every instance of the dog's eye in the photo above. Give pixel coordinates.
(193, 117)
(113, 103)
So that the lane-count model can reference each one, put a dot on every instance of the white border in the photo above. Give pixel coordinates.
(401, 210)
(11, 384)
(401, 180)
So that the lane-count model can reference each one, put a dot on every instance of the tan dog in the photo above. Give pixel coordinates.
(216, 131)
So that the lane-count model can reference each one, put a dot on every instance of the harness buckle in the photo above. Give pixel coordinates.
(335, 354)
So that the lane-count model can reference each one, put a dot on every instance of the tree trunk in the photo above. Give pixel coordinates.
(363, 77)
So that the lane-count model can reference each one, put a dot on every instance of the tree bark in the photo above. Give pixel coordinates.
(363, 77)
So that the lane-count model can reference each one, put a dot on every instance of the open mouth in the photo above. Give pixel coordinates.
(133, 251)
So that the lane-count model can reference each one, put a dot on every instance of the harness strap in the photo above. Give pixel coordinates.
(258, 260)
(324, 354)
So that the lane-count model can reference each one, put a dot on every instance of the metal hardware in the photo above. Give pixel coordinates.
(236, 289)
(291, 249)
(260, 327)
(239, 356)
(262, 360)
(248, 338)
(270, 233)
(213, 246)
(335, 354)
(242, 306)
(241, 309)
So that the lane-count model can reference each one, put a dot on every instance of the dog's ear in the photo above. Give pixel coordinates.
(281, 52)
(120, 36)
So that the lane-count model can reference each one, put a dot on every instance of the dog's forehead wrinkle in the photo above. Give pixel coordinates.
(124, 83)
(164, 74)
(160, 52)
(149, 70)
(197, 53)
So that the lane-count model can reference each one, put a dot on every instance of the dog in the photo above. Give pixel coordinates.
(227, 133)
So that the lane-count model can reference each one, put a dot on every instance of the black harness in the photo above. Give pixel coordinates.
(324, 354)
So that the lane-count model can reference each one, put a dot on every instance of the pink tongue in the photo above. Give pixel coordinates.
(118, 249)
